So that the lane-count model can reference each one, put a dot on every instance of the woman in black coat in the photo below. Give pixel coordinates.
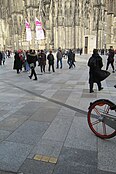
(17, 62)
(95, 64)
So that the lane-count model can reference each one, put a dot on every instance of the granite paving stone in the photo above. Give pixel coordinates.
(58, 129)
(45, 114)
(4, 134)
(106, 157)
(72, 156)
(49, 93)
(38, 91)
(11, 123)
(36, 167)
(50, 104)
(80, 136)
(12, 155)
(29, 133)
(61, 95)
(72, 82)
(74, 169)
(78, 114)
(3, 112)
(66, 111)
(30, 107)
(47, 147)
(73, 102)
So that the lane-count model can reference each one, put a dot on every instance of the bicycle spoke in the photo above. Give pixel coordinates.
(96, 122)
(97, 112)
(106, 109)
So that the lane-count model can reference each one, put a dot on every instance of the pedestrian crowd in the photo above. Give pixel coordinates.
(29, 59)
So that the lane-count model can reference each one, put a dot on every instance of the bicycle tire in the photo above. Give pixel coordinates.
(92, 125)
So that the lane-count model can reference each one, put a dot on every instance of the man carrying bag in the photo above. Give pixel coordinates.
(96, 75)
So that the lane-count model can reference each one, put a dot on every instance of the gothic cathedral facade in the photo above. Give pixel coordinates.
(85, 24)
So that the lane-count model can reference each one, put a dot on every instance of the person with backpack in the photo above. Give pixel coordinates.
(95, 64)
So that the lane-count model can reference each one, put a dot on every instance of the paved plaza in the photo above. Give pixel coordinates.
(43, 124)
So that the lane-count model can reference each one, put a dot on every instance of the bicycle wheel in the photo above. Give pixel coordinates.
(97, 111)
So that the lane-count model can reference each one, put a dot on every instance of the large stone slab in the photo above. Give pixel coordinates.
(12, 155)
(75, 169)
(29, 108)
(61, 95)
(11, 123)
(3, 112)
(76, 161)
(106, 155)
(4, 134)
(29, 133)
(66, 112)
(47, 147)
(58, 129)
(73, 156)
(36, 167)
(45, 114)
(80, 135)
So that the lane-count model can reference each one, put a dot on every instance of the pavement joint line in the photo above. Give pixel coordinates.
(7, 171)
(47, 159)
(49, 99)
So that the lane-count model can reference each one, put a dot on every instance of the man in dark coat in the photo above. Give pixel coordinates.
(110, 59)
(31, 59)
(50, 58)
(71, 59)
(95, 64)
(42, 60)
(59, 56)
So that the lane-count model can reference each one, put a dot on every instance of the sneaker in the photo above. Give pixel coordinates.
(29, 77)
(34, 79)
(113, 71)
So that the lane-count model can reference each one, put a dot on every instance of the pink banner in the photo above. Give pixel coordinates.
(39, 30)
(28, 31)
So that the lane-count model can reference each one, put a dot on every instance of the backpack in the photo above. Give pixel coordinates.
(92, 62)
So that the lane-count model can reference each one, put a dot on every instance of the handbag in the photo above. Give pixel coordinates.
(102, 74)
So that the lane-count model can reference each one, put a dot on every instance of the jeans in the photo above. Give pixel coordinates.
(59, 60)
